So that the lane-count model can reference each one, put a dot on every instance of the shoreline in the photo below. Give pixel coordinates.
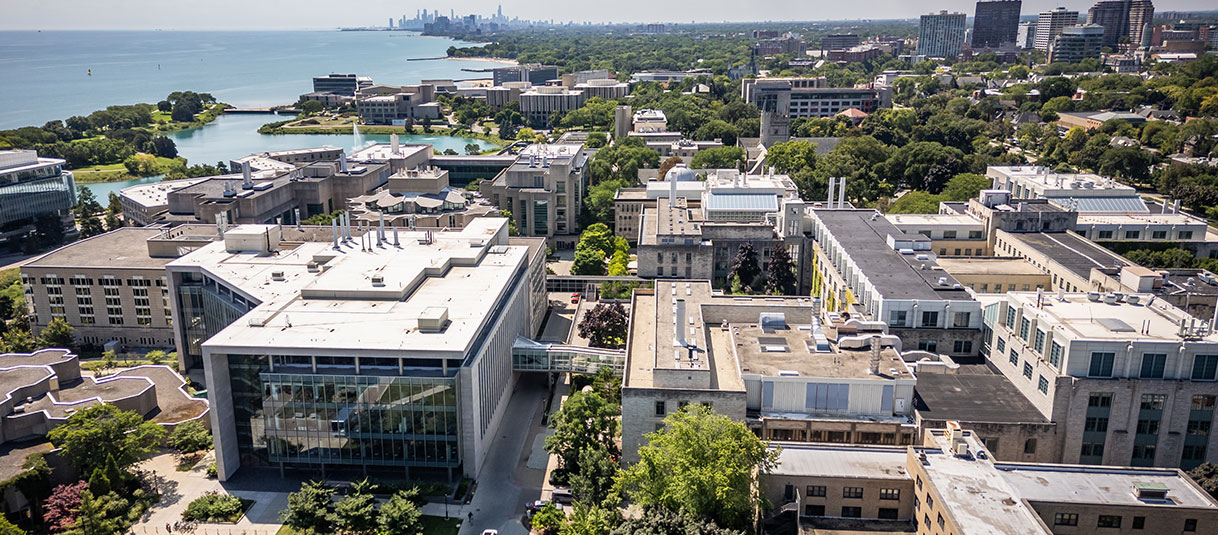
(502, 61)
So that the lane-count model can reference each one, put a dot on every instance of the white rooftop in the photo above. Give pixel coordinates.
(366, 301)
(382, 152)
(822, 460)
(978, 498)
(1107, 485)
(931, 220)
(157, 193)
(1098, 320)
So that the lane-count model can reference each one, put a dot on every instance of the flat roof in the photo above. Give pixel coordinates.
(930, 220)
(157, 193)
(1106, 485)
(1140, 219)
(894, 275)
(367, 300)
(381, 152)
(652, 331)
(989, 266)
(757, 349)
(954, 396)
(865, 462)
(122, 248)
(977, 497)
(1120, 321)
(1073, 252)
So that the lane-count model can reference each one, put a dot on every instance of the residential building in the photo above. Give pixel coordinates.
(1128, 380)
(789, 43)
(996, 23)
(1026, 37)
(771, 362)
(110, 288)
(544, 190)
(1124, 21)
(1051, 23)
(1077, 43)
(539, 104)
(406, 370)
(839, 41)
(941, 35)
(340, 84)
(533, 73)
(606, 88)
(810, 97)
(863, 265)
(32, 187)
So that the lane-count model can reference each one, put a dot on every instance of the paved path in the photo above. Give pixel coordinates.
(506, 482)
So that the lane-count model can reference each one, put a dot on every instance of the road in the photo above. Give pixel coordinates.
(505, 482)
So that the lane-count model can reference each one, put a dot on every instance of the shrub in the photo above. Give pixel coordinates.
(214, 507)
(212, 472)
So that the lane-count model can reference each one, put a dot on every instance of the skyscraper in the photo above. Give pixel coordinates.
(996, 23)
(941, 35)
(1051, 23)
(1122, 18)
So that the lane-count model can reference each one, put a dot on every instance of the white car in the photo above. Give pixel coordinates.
(490, 532)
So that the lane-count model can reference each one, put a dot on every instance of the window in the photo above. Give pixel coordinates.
(1099, 399)
(919, 482)
(1148, 426)
(849, 511)
(1101, 364)
(1143, 452)
(814, 510)
(1104, 235)
(949, 234)
(1014, 358)
(928, 345)
(1002, 345)
(963, 346)
(896, 318)
(1205, 367)
(930, 502)
(930, 318)
(660, 408)
(1153, 364)
(1027, 370)
(1095, 424)
(1190, 524)
(887, 513)
(1185, 235)
(1010, 312)
(890, 494)
(852, 492)
(974, 234)
(1132, 234)
(1042, 384)
(940, 521)
(1029, 446)
(1039, 344)
(1092, 449)
(1108, 521)
(1065, 519)
(962, 319)
(1024, 325)
(1203, 403)
(1139, 522)
(815, 491)
(1153, 402)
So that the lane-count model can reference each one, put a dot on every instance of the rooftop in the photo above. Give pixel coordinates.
(988, 266)
(353, 300)
(868, 462)
(1098, 320)
(893, 274)
(772, 352)
(157, 193)
(1071, 251)
(123, 248)
(1107, 485)
(977, 497)
(382, 152)
(930, 220)
(954, 396)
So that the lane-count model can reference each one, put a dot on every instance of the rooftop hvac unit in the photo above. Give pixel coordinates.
(1093, 296)
(962, 449)
(1110, 299)
(277, 276)
(378, 280)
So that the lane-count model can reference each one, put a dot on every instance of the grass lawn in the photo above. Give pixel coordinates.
(432, 525)
(114, 172)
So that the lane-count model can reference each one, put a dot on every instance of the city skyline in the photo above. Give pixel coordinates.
(274, 15)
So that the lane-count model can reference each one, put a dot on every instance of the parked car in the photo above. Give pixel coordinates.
(534, 506)
(562, 496)
(490, 532)
(575, 297)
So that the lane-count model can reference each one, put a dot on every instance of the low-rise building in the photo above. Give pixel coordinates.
(1090, 120)
(340, 84)
(1192, 290)
(420, 198)
(539, 104)
(499, 96)
(649, 122)
(324, 153)
(408, 103)
(606, 88)
(144, 204)
(32, 187)
(544, 190)
(810, 97)
(950, 235)
(996, 274)
(1009, 425)
(1129, 380)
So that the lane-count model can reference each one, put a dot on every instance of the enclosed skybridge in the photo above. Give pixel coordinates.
(532, 356)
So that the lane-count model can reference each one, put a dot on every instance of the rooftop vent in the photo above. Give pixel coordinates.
(378, 280)
(313, 267)
(1093, 296)
(1145, 490)
(277, 276)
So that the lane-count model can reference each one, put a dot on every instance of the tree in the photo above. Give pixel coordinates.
(1206, 477)
(356, 513)
(718, 158)
(916, 202)
(8, 528)
(472, 148)
(702, 464)
(588, 261)
(113, 222)
(114, 204)
(590, 519)
(599, 201)
(309, 509)
(58, 334)
(86, 202)
(93, 434)
(605, 325)
(668, 164)
(59, 510)
(548, 520)
(17, 341)
(780, 277)
(586, 420)
(791, 156)
(155, 357)
(399, 516)
(91, 517)
(596, 140)
(189, 437)
(924, 165)
(744, 266)
(964, 186)
(661, 521)
(593, 483)
(311, 107)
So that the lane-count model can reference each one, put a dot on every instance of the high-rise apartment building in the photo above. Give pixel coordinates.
(1124, 21)
(1077, 43)
(941, 35)
(1051, 23)
(996, 23)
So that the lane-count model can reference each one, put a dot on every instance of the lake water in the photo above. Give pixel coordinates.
(44, 75)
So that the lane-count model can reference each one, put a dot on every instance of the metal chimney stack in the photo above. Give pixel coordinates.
(393, 144)
(247, 178)
(841, 192)
(334, 231)
(395, 236)
(342, 162)
(380, 231)
(679, 328)
(832, 185)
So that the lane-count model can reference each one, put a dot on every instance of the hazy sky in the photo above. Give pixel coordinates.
(290, 14)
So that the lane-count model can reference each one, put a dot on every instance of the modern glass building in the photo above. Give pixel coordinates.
(31, 187)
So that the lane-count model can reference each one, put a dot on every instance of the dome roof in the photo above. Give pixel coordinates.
(681, 174)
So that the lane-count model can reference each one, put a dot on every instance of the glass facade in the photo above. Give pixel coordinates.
(205, 307)
(26, 194)
(340, 419)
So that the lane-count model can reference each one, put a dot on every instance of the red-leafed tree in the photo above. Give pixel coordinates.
(60, 509)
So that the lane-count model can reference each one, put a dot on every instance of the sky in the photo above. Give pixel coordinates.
(317, 14)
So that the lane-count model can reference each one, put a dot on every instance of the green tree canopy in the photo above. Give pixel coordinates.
(189, 437)
(310, 509)
(399, 516)
(93, 434)
(719, 158)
